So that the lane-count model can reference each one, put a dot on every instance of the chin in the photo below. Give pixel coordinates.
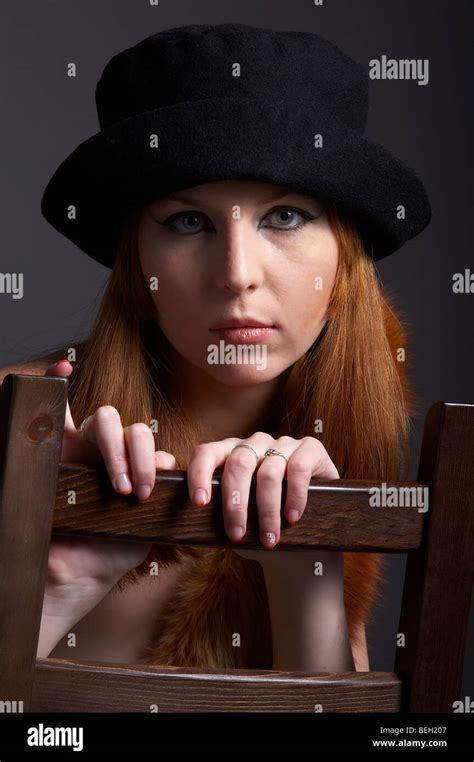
(239, 375)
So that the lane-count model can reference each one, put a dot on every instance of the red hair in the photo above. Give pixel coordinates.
(357, 365)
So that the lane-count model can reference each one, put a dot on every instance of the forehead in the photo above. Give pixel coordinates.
(234, 191)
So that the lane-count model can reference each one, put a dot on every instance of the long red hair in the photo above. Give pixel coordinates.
(357, 365)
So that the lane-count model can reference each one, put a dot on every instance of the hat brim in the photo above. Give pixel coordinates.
(124, 167)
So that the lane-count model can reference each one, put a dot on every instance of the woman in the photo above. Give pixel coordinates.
(216, 200)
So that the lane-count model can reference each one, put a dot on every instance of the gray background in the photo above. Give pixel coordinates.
(45, 115)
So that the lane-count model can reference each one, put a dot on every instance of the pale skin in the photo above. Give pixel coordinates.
(227, 266)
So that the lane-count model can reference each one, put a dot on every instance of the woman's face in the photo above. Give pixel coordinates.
(238, 249)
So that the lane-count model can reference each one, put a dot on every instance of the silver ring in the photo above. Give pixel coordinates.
(249, 447)
(270, 451)
(82, 427)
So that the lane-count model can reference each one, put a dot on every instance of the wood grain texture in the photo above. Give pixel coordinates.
(439, 578)
(337, 515)
(31, 432)
(63, 685)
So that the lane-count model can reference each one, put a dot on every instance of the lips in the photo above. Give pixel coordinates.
(244, 334)
(244, 322)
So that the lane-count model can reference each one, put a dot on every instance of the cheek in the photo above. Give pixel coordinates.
(148, 260)
(173, 283)
(176, 288)
(306, 287)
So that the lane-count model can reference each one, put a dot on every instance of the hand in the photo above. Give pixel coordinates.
(316, 640)
(104, 438)
(306, 458)
(95, 559)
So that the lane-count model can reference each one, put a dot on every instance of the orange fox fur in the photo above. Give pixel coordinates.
(225, 594)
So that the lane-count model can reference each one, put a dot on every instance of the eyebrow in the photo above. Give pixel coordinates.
(195, 202)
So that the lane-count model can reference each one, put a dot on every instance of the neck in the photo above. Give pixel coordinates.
(220, 411)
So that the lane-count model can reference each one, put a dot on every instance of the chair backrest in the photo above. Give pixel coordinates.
(339, 515)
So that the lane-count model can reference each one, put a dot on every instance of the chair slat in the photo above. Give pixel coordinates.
(338, 513)
(73, 686)
(31, 432)
(439, 578)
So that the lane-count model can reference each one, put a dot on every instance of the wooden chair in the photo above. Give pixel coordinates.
(434, 615)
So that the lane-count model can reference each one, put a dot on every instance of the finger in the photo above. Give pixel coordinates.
(165, 460)
(309, 459)
(63, 369)
(236, 480)
(204, 460)
(140, 444)
(104, 429)
(323, 465)
(270, 477)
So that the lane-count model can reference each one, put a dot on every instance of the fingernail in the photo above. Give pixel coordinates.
(123, 483)
(269, 537)
(62, 362)
(143, 491)
(200, 496)
(235, 533)
(293, 515)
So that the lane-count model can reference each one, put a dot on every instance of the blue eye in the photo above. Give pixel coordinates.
(191, 221)
(289, 215)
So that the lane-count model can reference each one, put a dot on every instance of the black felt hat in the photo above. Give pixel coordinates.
(200, 103)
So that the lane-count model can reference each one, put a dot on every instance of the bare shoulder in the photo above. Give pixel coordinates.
(35, 366)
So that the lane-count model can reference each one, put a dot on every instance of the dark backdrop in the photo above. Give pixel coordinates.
(45, 115)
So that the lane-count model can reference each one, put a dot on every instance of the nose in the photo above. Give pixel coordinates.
(237, 264)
